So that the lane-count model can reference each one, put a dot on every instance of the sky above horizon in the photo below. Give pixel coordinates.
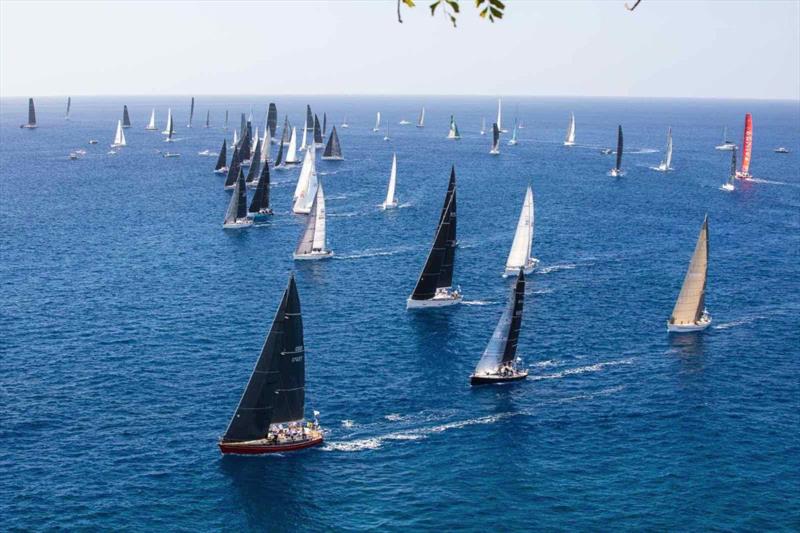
(706, 49)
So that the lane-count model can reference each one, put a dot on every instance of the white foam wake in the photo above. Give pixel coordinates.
(374, 252)
(740, 322)
(556, 268)
(582, 369)
(476, 302)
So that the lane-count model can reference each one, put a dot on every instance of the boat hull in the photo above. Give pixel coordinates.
(262, 448)
(727, 187)
(331, 158)
(741, 176)
(223, 170)
(313, 256)
(391, 205)
(616, 172)
(239, 224)
(529, 266)
(436, 301)
(493, 379)
(688, 328)
(726, 147)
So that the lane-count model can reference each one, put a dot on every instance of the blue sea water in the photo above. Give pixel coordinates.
(131, 321)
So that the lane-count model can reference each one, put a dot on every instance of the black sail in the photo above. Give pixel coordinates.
(265, 400)
(324, 124)
(208, 118)
(733, 165)
(309, 117)
(510, 351)
(318, 139)
(495, 137)
(225, 127)
(69, 104)
(233, 169)
(448, 263)
(242, 126)
(619, 148)
(272, 118)
(126, 119)
(255, 165)
(279, 159)
(191, 113)
(435, 266)
(244, 145)
(333, 150)
(261, 197)
(223, 155)
(31, 113)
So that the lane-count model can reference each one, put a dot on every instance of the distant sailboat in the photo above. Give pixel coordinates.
(500, 116)
(287, 131)
(119, 138)
(309, 118)
(236, 215)
(272, 119)
(279, 157)
(225, 124)
(69, 105)
(726, 145)
(275, 393)
(171, 132)
(31, 124)
(152, 124)
(291, 151)
(265, 142)
(495, 150)
(259, 205)
(304, 144)
(191, 114)
(126, 119)
(344, 123)
(208, 118)
(498, 364)
(386, 137)
(404, 122)
(689, 313)
(333, 150)
(513, 140)
(483, 126)
(421, 119)
(377, 122)
(221, 167)
(520, 255)
(435, 284)
(453, 132)
(313, 241)
(169, 126)
(235, 141)
(255, 164)
(570, 138)
(324, 124)
(747, 148)
(617, 170)
(307, 184)
(666, 164)
(728, 185)
(391, 202)
(319, 141)
(234, 169)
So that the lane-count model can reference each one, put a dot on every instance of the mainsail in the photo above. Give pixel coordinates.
(732, 174)
(119, 137)
(152, 124)
(324, 124)
(291, 152)
(309, 117)
(421, 120)
(255, 164)
(500, 115)
(31, 114)
(272, 118)
(747, 146)
(495, 140)
(126, 119)
(233, 169)
(453, 133)
(279, 158)
(223, 155)
(438, 270)
(171, 131)
(691, 300)
(377, 122)
(307, 184)
(502, 347)
(265, 142)
(314, 238)
(520, 253)
(666, 164)
(261, 196)
(208, 118)
(237, 207)
(191, 114)
(390, 201)
(303, 144)
(225, 126)
(318, 139)
(570, 139)
(169, 123)
(275, 392)
(333, 150)
(286, 130)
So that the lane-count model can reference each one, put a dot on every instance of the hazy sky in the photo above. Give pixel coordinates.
(741, 49)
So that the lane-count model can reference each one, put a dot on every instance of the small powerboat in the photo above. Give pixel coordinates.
(606, 151)
(781, 150)
(171, 154)
(92, 141)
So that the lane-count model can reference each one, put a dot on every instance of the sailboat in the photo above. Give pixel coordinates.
(307, 184)
(152, 124)
(617, 170)
(344, 123)
(498, 364)
(313, 241)
(126, 118)
(235, 141)
(483, 126)
(747, 148)
(270, 416)
(309, 117)
(569, 140)
(303, 144)
(255, 164)
(119, 138)
(236, 215)
(666, 164)
(453, 132)
(726, 145)
(390, 201)
(69, 105)
(333, 150)
(272, 119)
(169, 126)
(191, 114)
(521, 125)
(171, 132)
(225, 124)
(265, 142)
(259, 205)
(318, 140)
(404, 122)
(324, 124)
(435, 284)
(377, 122)
(221, 167)
(500, 116)
(728, 185)
(495, 150)
(279, 157)
(421, 120)
(31, 124)
(519, 258)
(689, 313)
(208, 118)
(386, 137)
(233, 169)
(513, 140)
(291, 151)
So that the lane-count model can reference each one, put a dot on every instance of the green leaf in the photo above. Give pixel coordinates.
(453, 4)
(409, 3)
(479, 2)
(497, 13)
(453, 20)
(498, 4)
(484, 11)
(434, 5)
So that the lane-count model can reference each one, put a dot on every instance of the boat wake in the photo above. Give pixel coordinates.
(597, 367)
(555, 268)
(364, 254)
(394, 417)
(641, 151)
(476, 302)
(347, 423)
(343, 215)
(740, 322)
(769, 182)
(541, 291)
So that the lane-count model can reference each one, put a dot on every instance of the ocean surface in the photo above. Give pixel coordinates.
(130, 322)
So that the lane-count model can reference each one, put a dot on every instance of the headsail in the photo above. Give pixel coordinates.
(223, 155)
(453, 133)
(438, 270)
(333, 150)
(495, 140)
(169, 127)
(377, 122)
(520, 253)
(318, 140)
(237, 207)
(666, 164)
(255, 164)
(502, 347)
(291, 152)
(233, 169)
(691, 300)
(619, 149)
(314, 236)
(261, 196)
(390, 201)
(307, 184)
(119, 137)
(152, 124)
(421, 120)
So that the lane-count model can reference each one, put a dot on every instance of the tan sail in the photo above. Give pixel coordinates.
(691, 301)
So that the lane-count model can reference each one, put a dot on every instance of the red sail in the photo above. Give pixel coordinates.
(747, 145)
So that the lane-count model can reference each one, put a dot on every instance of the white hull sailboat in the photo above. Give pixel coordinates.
(726, 145)
(453, 132)
(119, 138)
(170, 126)
(520, 255)
(377, 122)
(569, 140)
(391, 202)
(152, 124)
(500, 116)
(495, 149)
(666, 164)
(729, 185)
(291, 151)
(313, 242)
(421, 120)
(689, 313)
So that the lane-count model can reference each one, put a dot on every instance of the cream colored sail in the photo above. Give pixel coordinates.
(520, 252)
(691, 300)
(570, 140)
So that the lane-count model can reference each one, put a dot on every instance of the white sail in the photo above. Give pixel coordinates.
(500, 116)
(320, 237)
(377, 122)
(235, 137)
(169, 128)
(520, 254)
(453, 132)
(152, 124)
(313, 243)
(668, 158)
(291, 152)
(119, 138)
(513, 140)
(305, 174)
(483, 126)
(390, 201)
(307, 184)
(265, 144)
(421, 122)
(303, 145)
(570, 138)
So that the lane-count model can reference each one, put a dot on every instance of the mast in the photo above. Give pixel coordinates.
(171, 128)
(275, 392)
(223, 155)
(324, 124)
(619, 148)
(747, 145)
(233, 169)
(333, 150)
(261, 196)
(303, 144)
(272, 118)
(523, 237)
(691, 300)
(126, 119)
(265, 142)
(191, 114)
(667, 163)
(169, 122)
(318, 140)
(208, 118)
(502, 347)
(377, 122)
(255, 164)
(499, 114)
(119, 137)
(514, 133)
